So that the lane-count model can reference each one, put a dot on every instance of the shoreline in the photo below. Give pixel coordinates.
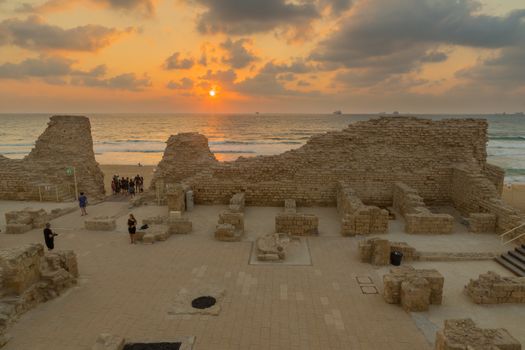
(513, 194)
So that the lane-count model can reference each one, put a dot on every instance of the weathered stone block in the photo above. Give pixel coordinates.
(176, 197)
(234, 218)
(226, 232)
(415, 294)
(15, 229)
(237, 203)
(101, 223)
(179, 226)
(381, 252)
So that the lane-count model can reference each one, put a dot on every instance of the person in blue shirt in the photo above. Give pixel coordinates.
(82, 202)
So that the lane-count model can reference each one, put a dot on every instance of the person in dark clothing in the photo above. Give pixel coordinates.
(82, 203)
(49, 237)
(132, 228)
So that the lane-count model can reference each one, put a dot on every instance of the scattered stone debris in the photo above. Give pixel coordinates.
(29, 277)
(491, 288)
(462, 334)
(414, 289)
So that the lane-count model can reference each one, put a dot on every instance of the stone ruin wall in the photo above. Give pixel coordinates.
(472, 192)
(418, 218)
(369, 156)
(28, 276)
(66, 142)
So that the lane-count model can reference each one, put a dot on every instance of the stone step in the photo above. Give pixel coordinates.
(509, 266)
(513, 261)
(517, 255)
(520, 250)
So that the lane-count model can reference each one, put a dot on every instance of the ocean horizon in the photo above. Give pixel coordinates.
(132, 138)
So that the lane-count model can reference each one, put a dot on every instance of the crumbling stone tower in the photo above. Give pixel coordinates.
(42, 175)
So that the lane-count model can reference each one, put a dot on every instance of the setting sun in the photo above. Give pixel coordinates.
(213, 93)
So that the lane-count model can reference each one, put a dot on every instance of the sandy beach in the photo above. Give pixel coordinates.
(514, 194)
(127, 171)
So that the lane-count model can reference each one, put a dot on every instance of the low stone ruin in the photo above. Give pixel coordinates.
(154, 233)
(29, 277)
(414, 289)
(377, 251)
(27, 219)
(230, 226)
(463, 334)
(356, 217)
(418, 218)
(272, 246)
(491, 288)
(294, 223)
(481, 222)
(101, 223)
(178, 224)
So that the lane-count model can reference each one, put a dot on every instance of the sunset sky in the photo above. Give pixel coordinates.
(359, 56)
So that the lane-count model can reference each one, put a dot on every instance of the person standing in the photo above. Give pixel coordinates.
(82, 203)
(132, 228)
(49, 237)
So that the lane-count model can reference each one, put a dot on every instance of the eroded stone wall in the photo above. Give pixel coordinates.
(491, 288)
(370, 156)
(418, 218)
(356, 217)
(28, 276)
(66, 142)
(463, 334)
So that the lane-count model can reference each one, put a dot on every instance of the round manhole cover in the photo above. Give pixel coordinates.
(203, 302)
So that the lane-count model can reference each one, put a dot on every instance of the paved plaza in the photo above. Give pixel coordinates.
(334, 303)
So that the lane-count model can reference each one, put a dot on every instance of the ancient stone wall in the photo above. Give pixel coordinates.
(298, 224)
(356, 217)
(42, 174)
(418, 218)
(472, 192)
(463, 334)
(491, 288)
(370, 156)
(481, 222)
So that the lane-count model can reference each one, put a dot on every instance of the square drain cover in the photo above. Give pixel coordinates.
(153, 346)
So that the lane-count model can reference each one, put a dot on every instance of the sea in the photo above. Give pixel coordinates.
(130, 139)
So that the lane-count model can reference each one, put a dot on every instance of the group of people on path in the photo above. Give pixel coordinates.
(126, 185)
